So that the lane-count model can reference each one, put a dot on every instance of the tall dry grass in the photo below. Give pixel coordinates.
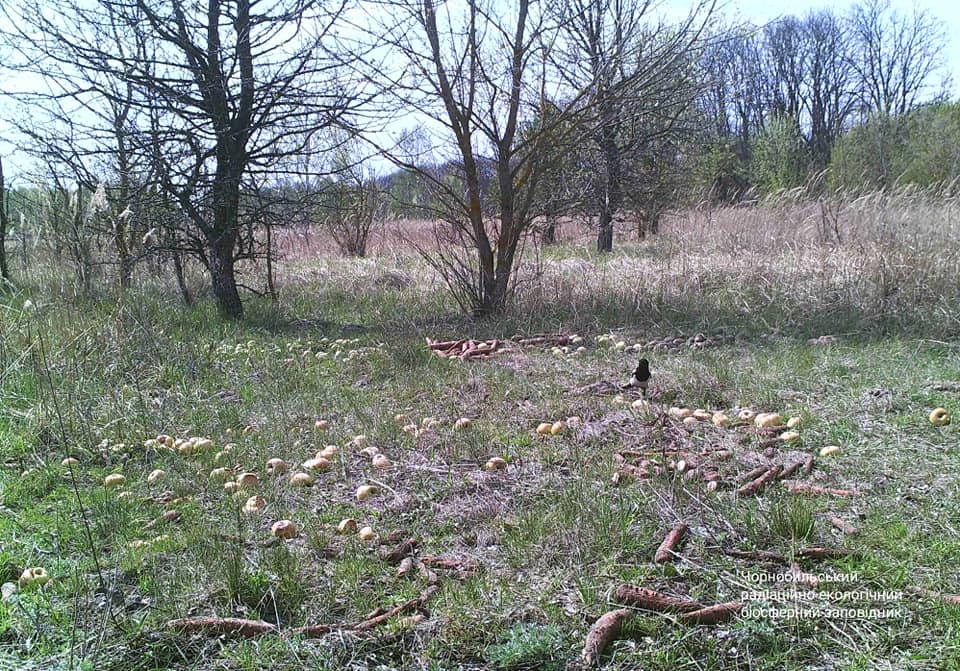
(874, 263)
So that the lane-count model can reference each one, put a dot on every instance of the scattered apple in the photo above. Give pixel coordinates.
(276, 466)
(939, 417)
(794, 422)
(254, 505)
(691, 420)
(766, 420)
(247, 480)
(790, 436)
(156, 475)
(34, 576)
(321, 425)
(301, 480)
(328, 452)
(69, 461)
(359, 441)
(712, 486)
(221, 474)
(720, 419)
(364, 492)
(367, 534)
(114, 480)
(202, 443)
(317, 464)
(381, 461)
(284, 529)
(544, 428)
(827, 450)
(230, 487)
(463, 423)
(746, 415)
(369, 452)
(557, 428)
(680, 413)
(702, 415)
(347, 526)
(495, 464)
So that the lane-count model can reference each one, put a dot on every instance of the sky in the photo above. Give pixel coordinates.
(754, 11)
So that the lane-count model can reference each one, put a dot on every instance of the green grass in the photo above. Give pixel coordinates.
(98, 377)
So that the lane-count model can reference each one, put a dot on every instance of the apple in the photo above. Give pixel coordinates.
(301, 480)
(463, 423)
(720, 419)
(254, 505)
(364, 492)
(317, 464)
(939, 417)
(247, 480)
(221, 474)
(321, 425)
(156, 475)
(790, 436)
(766, 420)
(328, 452)
(284, 529)
(347, 526)
(495, 464)
(557, 428)
(544, 428)
(69, 461)
(381, 461)
(276, 466)
(794, 422)
(367, 534)
(114, 480)
(827, 450)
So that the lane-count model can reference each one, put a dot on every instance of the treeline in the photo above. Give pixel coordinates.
(176, 133)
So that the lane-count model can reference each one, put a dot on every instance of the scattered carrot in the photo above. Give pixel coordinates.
(666, 551)
(603, 632)
(221, 626)
(641, 597)
(803, 488)
(759, 483)
(722, 612)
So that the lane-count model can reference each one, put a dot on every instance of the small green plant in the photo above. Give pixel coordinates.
(792, 519)
(530, 646)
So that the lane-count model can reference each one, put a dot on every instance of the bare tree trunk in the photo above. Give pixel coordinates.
(611, 189)
(271, 286)
(4, 270)
(222, 277)
(181, 279)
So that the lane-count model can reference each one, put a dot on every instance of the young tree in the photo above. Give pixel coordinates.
(475, 70)
(640, 83)
(229, 87)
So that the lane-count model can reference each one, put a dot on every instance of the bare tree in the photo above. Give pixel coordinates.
(229, 86)
(640, 80)
(4, 222)
(896, 56)
(474, 70)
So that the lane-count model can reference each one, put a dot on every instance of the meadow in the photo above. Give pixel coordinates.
(844, 315)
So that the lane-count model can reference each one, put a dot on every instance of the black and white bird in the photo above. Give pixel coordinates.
(641, 376)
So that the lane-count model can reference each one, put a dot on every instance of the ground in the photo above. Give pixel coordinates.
(514, 565)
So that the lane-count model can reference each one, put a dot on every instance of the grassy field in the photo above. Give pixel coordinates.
(514, 565)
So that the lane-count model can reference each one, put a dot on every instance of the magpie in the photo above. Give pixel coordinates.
(641, 376)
